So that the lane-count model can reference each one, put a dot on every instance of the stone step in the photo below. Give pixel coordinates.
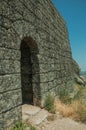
(25, 117)
(30, 110)
(39, 117)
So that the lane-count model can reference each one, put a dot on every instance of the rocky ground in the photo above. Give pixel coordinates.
(43, 120)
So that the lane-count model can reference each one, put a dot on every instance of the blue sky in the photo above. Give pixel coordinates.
(74, 12)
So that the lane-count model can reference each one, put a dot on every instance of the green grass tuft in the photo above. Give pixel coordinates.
(22, 126)
(49, 103)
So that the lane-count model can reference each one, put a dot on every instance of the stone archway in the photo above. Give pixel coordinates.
(30, 71)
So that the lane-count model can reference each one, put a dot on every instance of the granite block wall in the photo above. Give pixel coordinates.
(35, 55)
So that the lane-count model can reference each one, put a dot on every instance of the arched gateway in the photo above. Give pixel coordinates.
(30, 71)
(35, 56)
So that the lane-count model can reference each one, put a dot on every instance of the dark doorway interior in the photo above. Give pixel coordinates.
(30, 79)
(26, 70)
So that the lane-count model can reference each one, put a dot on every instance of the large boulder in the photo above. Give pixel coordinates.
(83, 78)
(80, 80)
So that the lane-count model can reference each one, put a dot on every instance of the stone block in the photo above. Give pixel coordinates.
(9, 54)
(10, 99)
(1, 122)
(9, 66)
(12, 116)
(10, 82)
(44, 87)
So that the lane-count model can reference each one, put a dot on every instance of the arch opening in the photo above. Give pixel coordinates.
(30, 79)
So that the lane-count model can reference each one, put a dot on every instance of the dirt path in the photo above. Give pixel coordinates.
(43, 120)
(62, 124)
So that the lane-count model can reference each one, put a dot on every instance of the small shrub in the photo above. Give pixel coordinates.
(80, 110)
(49, 103)
(22, 126)
(79, 94)
(32, 128)
(64, 96)
(19, 126)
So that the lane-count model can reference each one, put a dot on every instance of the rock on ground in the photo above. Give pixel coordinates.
(40, 119)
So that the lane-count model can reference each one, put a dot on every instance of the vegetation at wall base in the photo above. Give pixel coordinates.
(75, 106)
(22, 126)
(64, 96)
(49, 103)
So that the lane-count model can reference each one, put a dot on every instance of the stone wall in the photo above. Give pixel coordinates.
(49, 63)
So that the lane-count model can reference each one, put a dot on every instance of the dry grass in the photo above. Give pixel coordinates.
(74, 107)
(65, 109)
(76, 110)
(80, 111)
